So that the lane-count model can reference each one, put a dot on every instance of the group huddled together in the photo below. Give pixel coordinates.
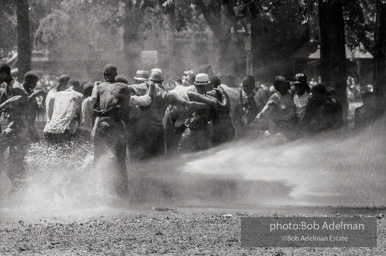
(148, 119)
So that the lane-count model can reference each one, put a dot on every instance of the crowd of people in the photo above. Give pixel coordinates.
(146, 120)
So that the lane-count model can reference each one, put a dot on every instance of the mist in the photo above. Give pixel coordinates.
(340, 169)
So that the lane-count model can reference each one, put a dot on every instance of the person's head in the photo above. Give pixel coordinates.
(188, 78)
(202, 83)
(176, 82)
(206, 69)
(369, 99)
(281, 85)
(87, 89)
(156, 75)
(109, 73)
(63, 82)
(301, 85)
(74, 84)
(5, 74)
(30, 80)
(121, 79)
(141, 76)
(319, 92)
(248, 84)
(215, 82)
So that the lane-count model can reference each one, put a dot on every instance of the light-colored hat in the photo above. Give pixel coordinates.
(142, 75)
(201, 79)
(156, 75)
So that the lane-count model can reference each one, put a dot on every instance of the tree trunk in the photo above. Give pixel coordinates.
(380, 51)
(333, 49)
(24, 39)
(220, 23)
(132, 44)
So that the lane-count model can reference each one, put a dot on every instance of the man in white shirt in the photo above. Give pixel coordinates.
(63, 112)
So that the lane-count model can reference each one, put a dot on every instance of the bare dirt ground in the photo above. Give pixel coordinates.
(160, 231)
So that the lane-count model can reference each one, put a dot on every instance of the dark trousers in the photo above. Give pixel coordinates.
(148, 141)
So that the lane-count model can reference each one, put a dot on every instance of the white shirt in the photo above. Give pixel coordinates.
(65, 105)
(301, 104)
(182, 91)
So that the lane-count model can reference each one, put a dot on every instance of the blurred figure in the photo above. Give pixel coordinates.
(235, 103)
(368, 112)
(63, 112)
(112, 100)
(302, 93)
(197, 135)
(141, 76)
(86, 116)
(149, 133)
(323, 113)
(254, 98)
(280, 110)
(175, 115)
(14, 102)
(30, 82)
(223, 129)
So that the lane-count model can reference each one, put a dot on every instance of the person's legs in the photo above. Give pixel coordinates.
(16, 138)
(121, 183)
(110, 135)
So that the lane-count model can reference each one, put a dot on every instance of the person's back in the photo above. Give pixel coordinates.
(66, 106)
(112, 96)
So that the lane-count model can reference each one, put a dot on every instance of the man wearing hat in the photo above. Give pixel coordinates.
(197, 136)
(14, 102)
(141, 76)
(149, 131)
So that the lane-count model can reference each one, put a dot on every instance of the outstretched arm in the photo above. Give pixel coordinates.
(6, 103)
(34, 95)
(194, 96)
(225, 102)
(144, 100)
(266, 110)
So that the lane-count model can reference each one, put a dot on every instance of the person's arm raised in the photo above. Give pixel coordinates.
(13, 99)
